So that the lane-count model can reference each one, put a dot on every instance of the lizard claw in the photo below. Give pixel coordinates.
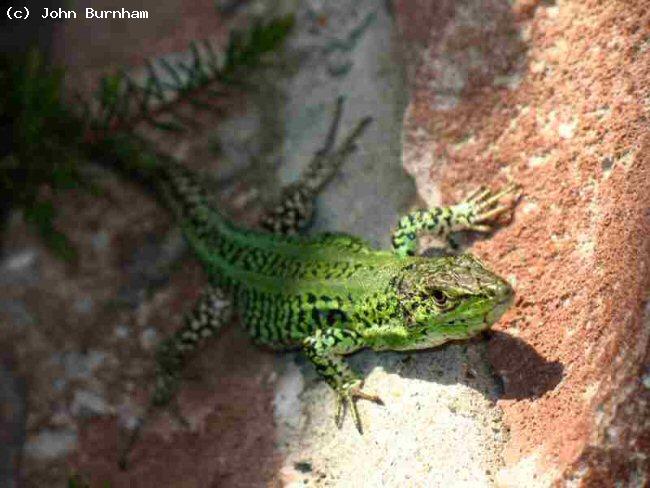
(347, 397)
(486, 206)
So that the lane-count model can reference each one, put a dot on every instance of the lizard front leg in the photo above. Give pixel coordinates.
(325, 350)
(473, 213)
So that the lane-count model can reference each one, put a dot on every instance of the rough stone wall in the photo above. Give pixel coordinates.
(553, 95)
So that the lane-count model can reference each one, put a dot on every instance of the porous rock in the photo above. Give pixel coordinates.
(554, 96)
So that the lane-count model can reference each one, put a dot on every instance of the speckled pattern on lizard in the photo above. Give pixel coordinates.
(330, 294)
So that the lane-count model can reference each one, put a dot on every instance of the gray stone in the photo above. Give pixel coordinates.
(88, 404)
(79, 365)
(100, 241)
(371, 189)
(122, 331)
(84, 305)
(50, 444)
(289, 387)
(20, 268)
(149, 338)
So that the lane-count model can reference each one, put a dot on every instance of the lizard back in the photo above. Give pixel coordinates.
(285, 287)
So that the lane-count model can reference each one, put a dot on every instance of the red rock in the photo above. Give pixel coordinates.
(555, 98)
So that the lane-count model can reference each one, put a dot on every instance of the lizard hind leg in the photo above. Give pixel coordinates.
(210, 313)
(295, 209)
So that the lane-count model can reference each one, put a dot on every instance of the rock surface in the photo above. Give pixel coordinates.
(550, 95)
(554, 96)
(12, 422)
(133, 284)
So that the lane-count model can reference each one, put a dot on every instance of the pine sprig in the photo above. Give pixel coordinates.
(245, 50)
(41, 147)
(121, 103)
(46, 138)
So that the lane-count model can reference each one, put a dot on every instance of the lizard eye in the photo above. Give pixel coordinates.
(439, 297)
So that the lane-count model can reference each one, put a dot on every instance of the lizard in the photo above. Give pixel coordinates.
(330, 294)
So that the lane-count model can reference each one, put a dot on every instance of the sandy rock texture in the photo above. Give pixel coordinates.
(553, 95)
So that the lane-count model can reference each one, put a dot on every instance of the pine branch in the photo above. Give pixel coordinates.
(121, 103)
(51, 138)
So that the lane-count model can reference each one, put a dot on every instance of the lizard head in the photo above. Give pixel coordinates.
(449, 298)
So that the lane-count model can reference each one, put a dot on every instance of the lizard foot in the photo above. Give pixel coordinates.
(486, 206)
(347, 397)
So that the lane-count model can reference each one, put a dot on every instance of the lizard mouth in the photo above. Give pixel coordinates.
(505, 298)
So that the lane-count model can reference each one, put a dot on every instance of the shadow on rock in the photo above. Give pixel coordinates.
(523, 371)
(504, 367)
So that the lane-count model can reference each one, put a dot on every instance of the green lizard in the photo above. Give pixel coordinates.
(331, 294)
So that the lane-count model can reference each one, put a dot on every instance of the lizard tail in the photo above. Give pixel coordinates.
(178, 187)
